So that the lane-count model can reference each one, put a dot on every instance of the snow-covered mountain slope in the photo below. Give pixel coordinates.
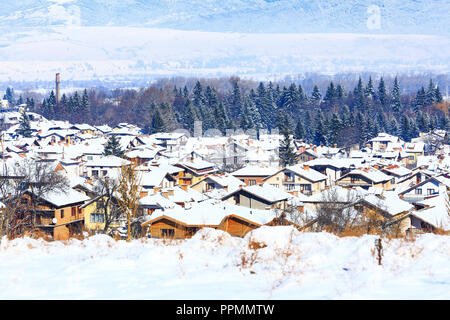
(143, 39)
(396, 16)
(101, 52)
(213, 265)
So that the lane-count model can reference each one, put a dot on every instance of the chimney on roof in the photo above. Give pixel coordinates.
(184, 187)
(305, 167)
(57, 88)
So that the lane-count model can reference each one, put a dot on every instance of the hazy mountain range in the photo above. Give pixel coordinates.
(129, 39)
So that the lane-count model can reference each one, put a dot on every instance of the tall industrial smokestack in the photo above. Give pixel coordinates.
(57, 88)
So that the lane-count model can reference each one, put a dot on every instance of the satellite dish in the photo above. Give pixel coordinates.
(54, 220)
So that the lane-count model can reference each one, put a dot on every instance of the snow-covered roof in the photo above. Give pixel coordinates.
(212, 213)
(107, 161)
(307, 173)
(435, 215)
(337, 193)
(265, 191)
(372, 174)
(255, 171)
(61, 199)
(388, 202)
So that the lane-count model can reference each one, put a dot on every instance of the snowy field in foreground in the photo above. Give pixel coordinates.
(289, 265)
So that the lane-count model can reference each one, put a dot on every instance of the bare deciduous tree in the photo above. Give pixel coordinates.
(106, 188)
(128, 190)
(37, 178)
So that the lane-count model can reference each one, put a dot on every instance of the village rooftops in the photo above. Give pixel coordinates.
(435, 212)
(384, 137)
(107, 161)
(338, 194)
(255, 171)
(374, 175)
(211, 213)
(336, 163)
(265, 191)
(397, 170)
(388, 202)
(64, 198)
(307, 173)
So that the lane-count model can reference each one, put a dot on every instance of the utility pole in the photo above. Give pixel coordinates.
(57, 82)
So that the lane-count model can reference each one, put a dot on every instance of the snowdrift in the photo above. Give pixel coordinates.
(269, 263)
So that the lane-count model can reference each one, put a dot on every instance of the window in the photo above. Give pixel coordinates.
(209, 186)
(95, 173)
(104, 172)
(418, 191)
(62, 213)
(305, 187)
(74, 211)
(90, 157)
(167, 233)
(97, 217)
(251, 182)
(354, 179)
(290, 187)
(430, 191)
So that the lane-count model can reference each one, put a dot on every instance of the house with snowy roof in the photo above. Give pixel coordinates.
(333, 168)
(57, 213)
(381, 142)
(221, 183)
(397, 172)
(307, 155)
(262, 197)
(181, 223)
(104, 166)
(365, 178)
(414, 149)
(194, 170)
(386, 208)
(254, 174)
(427, 188)
(430, 215)
(157, 178)
(298, 178)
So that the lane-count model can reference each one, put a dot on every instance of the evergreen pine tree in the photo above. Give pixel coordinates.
(395, 97)
(112, 147)
(438, 95)
(299, 130)
(330, 95)
(404, 129)
(84, 104)
(393, 128)
(316, 97)
(157, 122)
(420, 101)
(320, 130)
(430, 96)
(382, 93)
(24, 126)
(287, 153)
(359, 103)
(370, 90)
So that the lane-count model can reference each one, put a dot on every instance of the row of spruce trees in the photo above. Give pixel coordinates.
(336, 116)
